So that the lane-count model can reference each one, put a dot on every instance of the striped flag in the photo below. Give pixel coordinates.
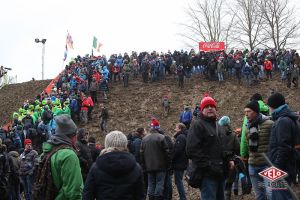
(69, 41)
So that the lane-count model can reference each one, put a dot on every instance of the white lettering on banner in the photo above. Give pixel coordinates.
(211, 45)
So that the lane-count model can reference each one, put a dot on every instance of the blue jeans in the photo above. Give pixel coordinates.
(212, 189)
(156, 182)
(27, 182)
(258, 183)
(178, 182)
(220, 76)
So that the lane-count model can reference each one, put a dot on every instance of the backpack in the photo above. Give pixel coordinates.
(44, 187)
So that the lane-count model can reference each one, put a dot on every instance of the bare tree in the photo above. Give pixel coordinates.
(248, 25)
(282, 26)
(206, 22)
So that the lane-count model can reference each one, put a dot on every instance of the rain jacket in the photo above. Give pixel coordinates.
(65, 169)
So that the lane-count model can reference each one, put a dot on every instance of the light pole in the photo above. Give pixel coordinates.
(43, 41)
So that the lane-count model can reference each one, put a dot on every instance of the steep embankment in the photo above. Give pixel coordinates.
(130, 108)
(13, 96)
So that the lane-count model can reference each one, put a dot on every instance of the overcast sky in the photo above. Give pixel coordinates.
(120, 25)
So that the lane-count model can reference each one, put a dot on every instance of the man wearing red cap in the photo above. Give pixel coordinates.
(29, 164)
(155, 159)
(205, 148)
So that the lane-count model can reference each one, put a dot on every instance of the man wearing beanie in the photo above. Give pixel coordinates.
(244, 149)
(28, 166)
(282, 138)
(156, 160)
(115, 174)
(205, 148)
(257, 134)
(65, 167)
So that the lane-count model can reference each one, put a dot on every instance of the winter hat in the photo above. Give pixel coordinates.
(224, 121)
(27, 141)
(256, 97)
(92, 139)
(154, 124)
(276, 100)
(116, 139)
(207, 101)
(253, 105)
(65, 125)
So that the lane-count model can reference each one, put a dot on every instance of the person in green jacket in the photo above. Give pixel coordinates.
(264, 109)
(65, 168)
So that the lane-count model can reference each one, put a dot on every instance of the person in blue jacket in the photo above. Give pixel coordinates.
(186, 116)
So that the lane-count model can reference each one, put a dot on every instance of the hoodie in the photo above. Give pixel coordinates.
(68, 181)
(114, 176)
(282, 140)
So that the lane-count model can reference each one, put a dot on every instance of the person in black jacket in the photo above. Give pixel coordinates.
(104, 117)
(93, 148)
(179, 158)
(115, 175)
(281, 143)
(155, 159)
(84, 152)
(205, 148)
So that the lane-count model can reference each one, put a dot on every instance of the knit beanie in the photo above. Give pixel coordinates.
(256, 97)
(276, 100)
(224, 121)
(154, 124)
(116, 139)
(207, 101)
(65, 125)
(253, 105)
(27, 141)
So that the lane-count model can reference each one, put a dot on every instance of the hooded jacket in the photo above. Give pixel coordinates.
(115, 175)
(282, 140)
(69, 182)
(179, 157)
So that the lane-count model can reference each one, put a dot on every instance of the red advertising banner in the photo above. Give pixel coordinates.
(211, 46)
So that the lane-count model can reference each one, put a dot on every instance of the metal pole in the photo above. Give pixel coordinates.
(43, 55)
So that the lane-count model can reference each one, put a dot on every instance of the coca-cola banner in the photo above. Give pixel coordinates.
(211, 46)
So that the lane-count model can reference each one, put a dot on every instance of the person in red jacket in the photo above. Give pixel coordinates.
(96, 76)
(91, 106)
(268, 68)
(84, 109)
